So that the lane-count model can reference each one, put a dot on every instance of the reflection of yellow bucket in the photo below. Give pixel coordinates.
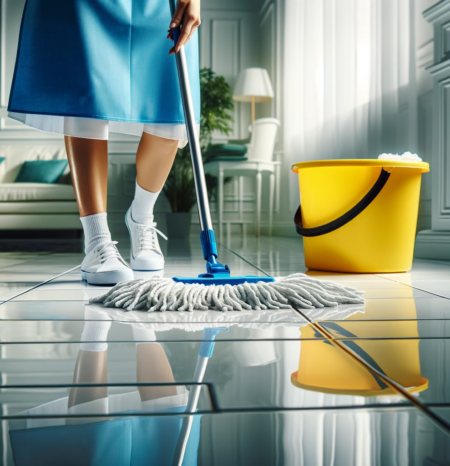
(380, 237)
(325, 368)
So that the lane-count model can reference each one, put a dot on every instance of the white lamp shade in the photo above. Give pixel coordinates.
(253, 82)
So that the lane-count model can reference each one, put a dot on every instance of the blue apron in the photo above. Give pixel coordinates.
(105, 59)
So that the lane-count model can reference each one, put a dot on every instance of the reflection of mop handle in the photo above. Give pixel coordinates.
(206, 351)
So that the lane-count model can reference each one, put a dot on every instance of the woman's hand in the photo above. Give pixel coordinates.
(187, 14)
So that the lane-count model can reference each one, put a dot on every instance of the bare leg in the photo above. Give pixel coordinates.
(88, 160)
(154, 367)
(91, 367)
(154, 160)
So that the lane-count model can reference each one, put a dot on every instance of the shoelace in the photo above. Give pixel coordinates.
(108, 251)
(147, 238)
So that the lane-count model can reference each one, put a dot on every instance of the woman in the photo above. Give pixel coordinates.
(86, 68)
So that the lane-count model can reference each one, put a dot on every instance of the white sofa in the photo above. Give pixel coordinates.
(35, 206)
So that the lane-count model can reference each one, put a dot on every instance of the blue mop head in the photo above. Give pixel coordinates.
(222, 280)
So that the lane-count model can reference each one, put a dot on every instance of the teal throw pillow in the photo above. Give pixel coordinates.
(41, 171)
(1, 160)
(226, 149)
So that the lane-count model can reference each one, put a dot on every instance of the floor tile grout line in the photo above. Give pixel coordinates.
(48, 342)
(436, 419)
(21, 263)
(244, 259)
(151, 323)
(222, 341)
(385, 320)
(231, 340)
(276, 409)
(413, 287)
(108, 288)
(38, 285)
(39, 254)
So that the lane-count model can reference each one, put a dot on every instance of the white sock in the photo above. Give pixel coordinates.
(142, 334)
(142, 206)
(96, 333)
(96, 231)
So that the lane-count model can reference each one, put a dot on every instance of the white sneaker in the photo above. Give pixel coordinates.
(105, 266)
(146, 254)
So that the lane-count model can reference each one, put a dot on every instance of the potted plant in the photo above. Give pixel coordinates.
(216, 103)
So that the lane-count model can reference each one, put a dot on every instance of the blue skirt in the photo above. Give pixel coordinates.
(100, 59)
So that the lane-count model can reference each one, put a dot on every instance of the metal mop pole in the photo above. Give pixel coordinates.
(194, 142)
(205, 353)
(207, 236)
(191, 127)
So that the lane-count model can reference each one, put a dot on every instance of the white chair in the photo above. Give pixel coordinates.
(260, 160)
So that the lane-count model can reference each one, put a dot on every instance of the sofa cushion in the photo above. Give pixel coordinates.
(37, 207)
(36, 192)
(226, 149)
(41, 171)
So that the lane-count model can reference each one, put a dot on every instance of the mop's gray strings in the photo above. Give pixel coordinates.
(164, 294)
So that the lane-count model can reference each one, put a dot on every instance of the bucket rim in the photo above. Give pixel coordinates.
(422, 166)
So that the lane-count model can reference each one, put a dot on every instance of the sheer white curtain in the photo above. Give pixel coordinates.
(349, 81)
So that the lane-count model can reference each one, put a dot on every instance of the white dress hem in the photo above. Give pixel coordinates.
(92, 128)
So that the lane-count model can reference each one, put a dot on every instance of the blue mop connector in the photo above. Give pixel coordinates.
(216, 273)
(209, 336)
(209, 246)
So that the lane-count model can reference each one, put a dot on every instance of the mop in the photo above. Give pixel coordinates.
(217, 289)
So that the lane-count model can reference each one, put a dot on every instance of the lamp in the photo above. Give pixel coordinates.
(253, 85)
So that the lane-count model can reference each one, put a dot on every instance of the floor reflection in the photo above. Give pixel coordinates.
(84, 385)
(132, 440)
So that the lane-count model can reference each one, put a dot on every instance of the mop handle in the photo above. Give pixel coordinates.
(191, 126)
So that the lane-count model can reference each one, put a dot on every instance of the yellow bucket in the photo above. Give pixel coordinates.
(359, 216)
(325, 368)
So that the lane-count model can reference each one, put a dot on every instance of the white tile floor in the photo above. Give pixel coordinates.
(360, 384)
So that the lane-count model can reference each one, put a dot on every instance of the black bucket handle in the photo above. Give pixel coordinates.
(348, 216)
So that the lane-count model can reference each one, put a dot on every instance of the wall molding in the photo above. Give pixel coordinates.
(436, 11)
(435, 244)
(425, 55)
(432, 244)
(441, 154)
